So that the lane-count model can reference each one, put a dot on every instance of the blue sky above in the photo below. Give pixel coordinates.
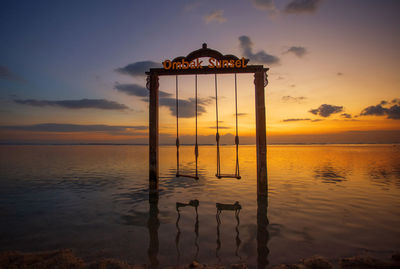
(69, 50)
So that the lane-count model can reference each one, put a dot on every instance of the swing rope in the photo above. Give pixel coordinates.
(217, 134)
(237, 173)
(196, 149)
(177, 126)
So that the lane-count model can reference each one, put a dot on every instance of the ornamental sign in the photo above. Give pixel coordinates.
(197, 64)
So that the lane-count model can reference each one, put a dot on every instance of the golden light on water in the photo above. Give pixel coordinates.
(335, 198)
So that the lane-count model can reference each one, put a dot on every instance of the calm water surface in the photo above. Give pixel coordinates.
(330, 200)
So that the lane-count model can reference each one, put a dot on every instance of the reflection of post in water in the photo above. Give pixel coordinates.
(195, 204)
(228, 207)
(153, 224)
(262, 232)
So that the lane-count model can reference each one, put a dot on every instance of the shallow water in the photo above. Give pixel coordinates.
(332, 200)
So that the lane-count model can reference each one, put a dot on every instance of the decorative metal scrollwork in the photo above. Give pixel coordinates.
(207, 52)
(148, 82)
(265, 79)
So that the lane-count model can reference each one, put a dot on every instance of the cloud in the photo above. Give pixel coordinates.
(346, 115)
(395, 101)
(326, 110)
(220, 127)
(61, 127)
(260, 57)
(6, 74)
(137, 68)
(392, 112)
(302, 6)
(219, 97)
(215, 16)
(193, 5)
(137, 90)
(264, 4)
(377, 110)
(297, 50)
(293, 99)
(75, 104)
(305, 119)
(289, 120)
(186, 107)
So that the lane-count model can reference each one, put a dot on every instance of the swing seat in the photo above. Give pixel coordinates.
(227, 176)
(189, 176)
(196, 149)
(217, 137)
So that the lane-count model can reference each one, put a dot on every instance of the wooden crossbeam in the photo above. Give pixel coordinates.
(207, 70)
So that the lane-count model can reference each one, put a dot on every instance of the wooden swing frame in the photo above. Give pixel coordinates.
(260, 81)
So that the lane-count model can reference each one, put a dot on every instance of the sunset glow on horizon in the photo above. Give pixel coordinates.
(200, 134)
(74, 72)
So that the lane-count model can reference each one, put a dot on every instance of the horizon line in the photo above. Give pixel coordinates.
(146, 144)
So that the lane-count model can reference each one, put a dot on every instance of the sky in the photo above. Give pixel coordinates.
(73, 71)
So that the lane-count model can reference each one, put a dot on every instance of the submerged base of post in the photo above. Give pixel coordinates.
(153, 224)
(262, 232)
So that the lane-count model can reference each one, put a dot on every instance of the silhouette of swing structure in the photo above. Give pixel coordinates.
(260, 81)
(262, 235)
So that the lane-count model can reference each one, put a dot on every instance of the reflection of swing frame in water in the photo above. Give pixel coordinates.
(228, 207)
(262, 229)
(195, 204)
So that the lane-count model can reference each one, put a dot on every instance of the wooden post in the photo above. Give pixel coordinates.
(153, 133)
(261, 136)
(262, 178)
